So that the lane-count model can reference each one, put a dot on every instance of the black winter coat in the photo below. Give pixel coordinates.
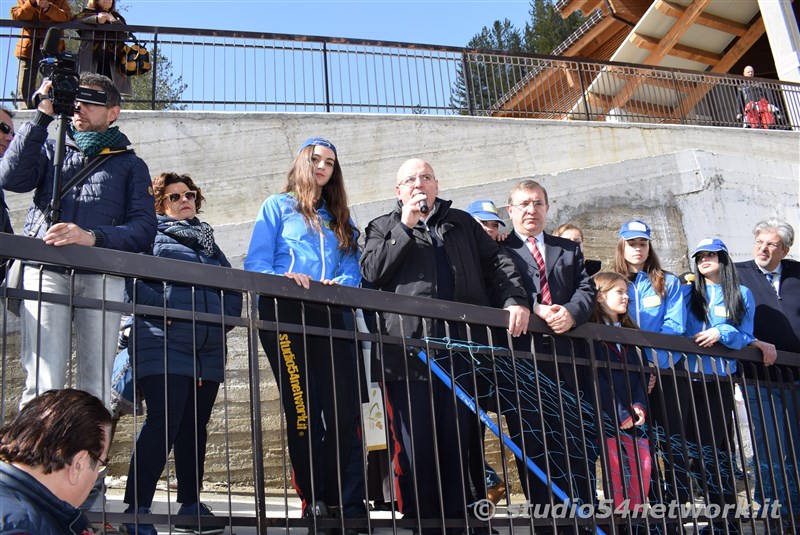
(115, 200)
(192, 350)
(402, 260)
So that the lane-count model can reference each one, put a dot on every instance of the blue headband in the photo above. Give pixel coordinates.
(321, 141)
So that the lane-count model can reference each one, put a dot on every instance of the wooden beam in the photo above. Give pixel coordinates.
(634, 107)
(681, 51)
(729, 59)
(677, 30)
(628, 74)
(584, 6)
(665, 45)
(597, 32)
(705, 19)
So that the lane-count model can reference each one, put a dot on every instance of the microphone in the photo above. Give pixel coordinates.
(51, 40)
(423, 206)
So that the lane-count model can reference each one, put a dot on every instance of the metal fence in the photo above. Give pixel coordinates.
(249, 71)
(543, 394)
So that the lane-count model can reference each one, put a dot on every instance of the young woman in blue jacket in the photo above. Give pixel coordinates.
(656, 304)
(184, 357)
(305, 233)
(719, 310)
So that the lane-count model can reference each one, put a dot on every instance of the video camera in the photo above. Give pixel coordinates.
(62, 70)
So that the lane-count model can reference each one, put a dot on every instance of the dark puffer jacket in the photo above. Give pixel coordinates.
(27, 506)
(192, 350)
(401, 260)
(115, 200)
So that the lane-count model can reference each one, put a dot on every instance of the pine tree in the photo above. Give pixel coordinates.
(488, 76)
(547, 29)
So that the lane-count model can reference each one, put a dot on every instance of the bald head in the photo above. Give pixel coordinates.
(749, 71)
(412, 167)
(416, 176)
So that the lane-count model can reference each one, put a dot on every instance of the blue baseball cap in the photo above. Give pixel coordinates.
(321, 141)
(634, 229)
(710, 245)
(485, 211)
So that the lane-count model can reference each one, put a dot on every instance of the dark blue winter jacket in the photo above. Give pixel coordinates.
(115, 201)
(28, 507)
(193, 349)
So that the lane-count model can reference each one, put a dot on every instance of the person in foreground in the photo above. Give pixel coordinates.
(50, 455)
(195, 363)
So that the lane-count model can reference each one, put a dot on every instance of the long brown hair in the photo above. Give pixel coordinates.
(652, 266)
(604, 281)
(301, 182)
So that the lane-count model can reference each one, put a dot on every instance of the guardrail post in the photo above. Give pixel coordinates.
(154, 71)
(467, 83)
(678, 97)
(325, 67)
(255, 414)
(583, 92)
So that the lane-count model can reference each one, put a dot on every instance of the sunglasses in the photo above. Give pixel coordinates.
(6, 128)
(176, 197)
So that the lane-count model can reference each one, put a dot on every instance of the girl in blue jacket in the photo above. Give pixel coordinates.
(656, 300)
(305, 233)
(719, 310)
(622, 395)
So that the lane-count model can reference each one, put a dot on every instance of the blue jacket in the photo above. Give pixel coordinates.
(193, 350)
(115, 200)
(628, 389)
(653, 313)
(27, 506)
(733, 337)
(282, 243)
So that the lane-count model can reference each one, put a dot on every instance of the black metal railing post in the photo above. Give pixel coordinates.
(325, 70)
(155, 71)
(467, 84)
(255, 414)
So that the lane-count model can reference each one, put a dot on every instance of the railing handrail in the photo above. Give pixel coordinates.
(148, 267)
(376, 43)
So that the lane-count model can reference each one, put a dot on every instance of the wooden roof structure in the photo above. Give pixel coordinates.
(695, 35)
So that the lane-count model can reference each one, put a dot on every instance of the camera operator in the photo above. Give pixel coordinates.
(111, 207)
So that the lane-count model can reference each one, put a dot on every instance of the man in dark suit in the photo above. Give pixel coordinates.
(561, 293)
(772, 390)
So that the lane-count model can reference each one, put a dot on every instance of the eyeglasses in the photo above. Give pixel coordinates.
(525, 205)
(768, 244)
(101, 464)
(6, 129)
(176, 197)
(425, 178)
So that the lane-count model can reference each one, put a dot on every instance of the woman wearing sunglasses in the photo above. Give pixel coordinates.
(183, 357)
(305, 233)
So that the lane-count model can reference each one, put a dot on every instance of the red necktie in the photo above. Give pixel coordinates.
(544, 288)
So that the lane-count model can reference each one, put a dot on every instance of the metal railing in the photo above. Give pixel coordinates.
(249, 71)
(479, 372)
